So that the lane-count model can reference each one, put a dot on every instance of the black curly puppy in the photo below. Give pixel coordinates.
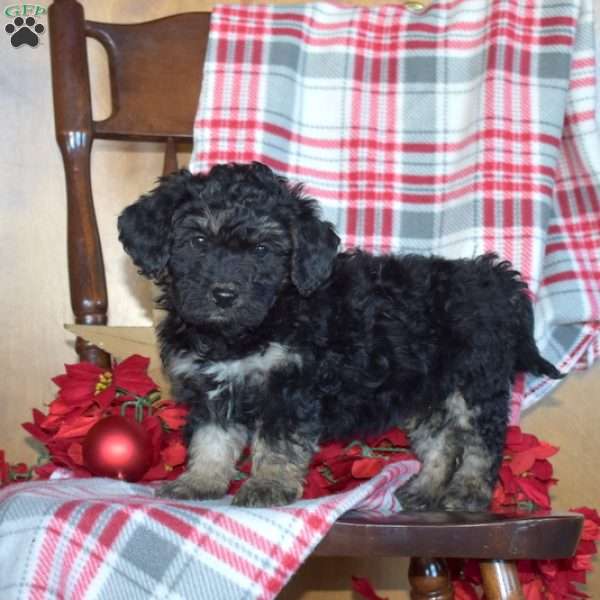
(273, 337)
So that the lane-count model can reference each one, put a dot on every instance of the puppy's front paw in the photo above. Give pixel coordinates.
(192, 488)
(265, 492)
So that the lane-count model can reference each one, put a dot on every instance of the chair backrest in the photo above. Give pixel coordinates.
(155, 73)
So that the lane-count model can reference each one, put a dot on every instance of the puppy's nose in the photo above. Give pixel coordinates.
(224, 296)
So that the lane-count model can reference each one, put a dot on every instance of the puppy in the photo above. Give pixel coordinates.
(274, 338)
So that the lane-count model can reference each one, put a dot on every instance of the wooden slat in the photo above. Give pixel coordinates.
(156, 72)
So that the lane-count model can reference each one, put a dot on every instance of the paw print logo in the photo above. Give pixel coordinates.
(24, 31)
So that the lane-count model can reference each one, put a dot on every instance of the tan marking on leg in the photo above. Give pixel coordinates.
(212, 454)
(438, 443)
(278, 472)
(470, 487)
(438, 460)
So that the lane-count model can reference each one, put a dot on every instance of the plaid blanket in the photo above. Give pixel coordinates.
(467, 128)
(104, 539)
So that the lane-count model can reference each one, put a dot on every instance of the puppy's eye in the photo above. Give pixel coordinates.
(198, 241)
(261, 249)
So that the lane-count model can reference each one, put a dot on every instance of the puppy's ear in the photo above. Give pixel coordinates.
(144, 226)
(315, 245)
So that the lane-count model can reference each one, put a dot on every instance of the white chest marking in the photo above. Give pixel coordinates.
(256, 366)
(226, 373)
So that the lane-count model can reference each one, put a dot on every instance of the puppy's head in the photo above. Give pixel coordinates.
(224, 244)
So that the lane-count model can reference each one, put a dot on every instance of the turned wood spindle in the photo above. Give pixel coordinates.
(429, 579)
(500, 580)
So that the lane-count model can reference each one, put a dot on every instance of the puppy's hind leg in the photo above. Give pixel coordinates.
(212, 455)
(436, 442)
(483, 433)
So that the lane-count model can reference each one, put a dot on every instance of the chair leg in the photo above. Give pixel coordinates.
(500, 580)
(429, 579)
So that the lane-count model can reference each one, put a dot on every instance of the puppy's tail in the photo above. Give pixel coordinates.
(529, 358)
(532, 361)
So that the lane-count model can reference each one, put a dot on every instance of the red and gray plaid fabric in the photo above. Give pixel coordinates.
(74, 539)
(467, 128)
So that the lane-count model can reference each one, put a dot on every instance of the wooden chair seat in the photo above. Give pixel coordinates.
(454, 535)
(156, 72)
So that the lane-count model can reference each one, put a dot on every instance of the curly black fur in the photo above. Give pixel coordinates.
(274, 336)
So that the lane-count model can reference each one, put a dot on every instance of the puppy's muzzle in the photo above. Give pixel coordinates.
(224, 296)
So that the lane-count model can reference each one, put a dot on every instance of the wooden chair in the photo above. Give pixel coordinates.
(171, 51)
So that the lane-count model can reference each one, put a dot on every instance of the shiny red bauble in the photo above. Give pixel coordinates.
(117, 447)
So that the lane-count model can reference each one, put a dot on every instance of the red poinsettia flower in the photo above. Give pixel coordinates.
(338, 467)
(365, 468)
(173, 416)
(85, 383)
(393, 438)
(463, 590)
(20, 472)
(525, 475)
(534, 590)
(174, 454)
(522, 461)
(10, 473)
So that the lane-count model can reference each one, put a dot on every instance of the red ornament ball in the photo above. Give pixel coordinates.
(117, 447)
